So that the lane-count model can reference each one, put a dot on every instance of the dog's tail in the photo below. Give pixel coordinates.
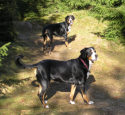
(22, 65)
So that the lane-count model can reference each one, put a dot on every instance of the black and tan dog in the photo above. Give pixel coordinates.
(58, 29)
(74, 72)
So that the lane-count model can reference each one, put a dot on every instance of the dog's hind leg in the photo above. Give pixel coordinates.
(51, 47)
(42, 92)
(44, 42)
(66, 40)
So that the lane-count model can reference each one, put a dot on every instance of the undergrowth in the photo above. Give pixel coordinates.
(116, 22)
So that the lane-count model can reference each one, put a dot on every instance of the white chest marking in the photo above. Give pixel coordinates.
(90, 65)
(69, 28)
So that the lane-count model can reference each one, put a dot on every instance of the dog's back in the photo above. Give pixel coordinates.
(54, 29)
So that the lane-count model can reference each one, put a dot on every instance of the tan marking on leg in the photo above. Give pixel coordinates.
(39, 90)
(47, 38)
(67, 33)
(72, 92)
(43, 101)
(44, 42)
(43, 97)
(84, 96)
(66, 43)
(34, 71)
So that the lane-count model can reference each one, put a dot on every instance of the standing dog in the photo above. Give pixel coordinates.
(74, 72)
(58, 29)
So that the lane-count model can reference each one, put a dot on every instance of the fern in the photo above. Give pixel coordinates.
(3, 51)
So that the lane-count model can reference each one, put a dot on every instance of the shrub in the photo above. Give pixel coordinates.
(115, 18)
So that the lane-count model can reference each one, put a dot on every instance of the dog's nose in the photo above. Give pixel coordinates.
(96, 56)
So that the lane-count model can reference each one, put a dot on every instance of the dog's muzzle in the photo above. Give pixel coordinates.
(96, 57)
(71, 22)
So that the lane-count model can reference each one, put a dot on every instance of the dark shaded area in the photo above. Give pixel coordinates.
(7, 32)
(16, 10)
(99, 34)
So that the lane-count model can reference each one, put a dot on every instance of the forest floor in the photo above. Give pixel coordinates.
(18, 88)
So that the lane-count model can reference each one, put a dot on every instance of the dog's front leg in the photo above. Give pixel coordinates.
(66, 40)
(73, 88)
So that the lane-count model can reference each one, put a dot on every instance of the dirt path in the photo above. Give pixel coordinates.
(108, 72)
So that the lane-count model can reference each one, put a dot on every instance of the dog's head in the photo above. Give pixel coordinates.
(69, 19)
(89, 54)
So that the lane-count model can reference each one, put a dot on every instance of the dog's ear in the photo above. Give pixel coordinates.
(83, 53)
(66, 18)
(73, 18)
(92, 48)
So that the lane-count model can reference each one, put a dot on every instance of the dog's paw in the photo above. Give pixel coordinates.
(47, 106)
(46, 101)
(72, 102)
(90, 102)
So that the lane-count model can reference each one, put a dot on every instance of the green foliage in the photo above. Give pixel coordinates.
(37, 8)
(113, 32)
(109, 3)
(78, 4)
(116, 19)
(3, 51)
